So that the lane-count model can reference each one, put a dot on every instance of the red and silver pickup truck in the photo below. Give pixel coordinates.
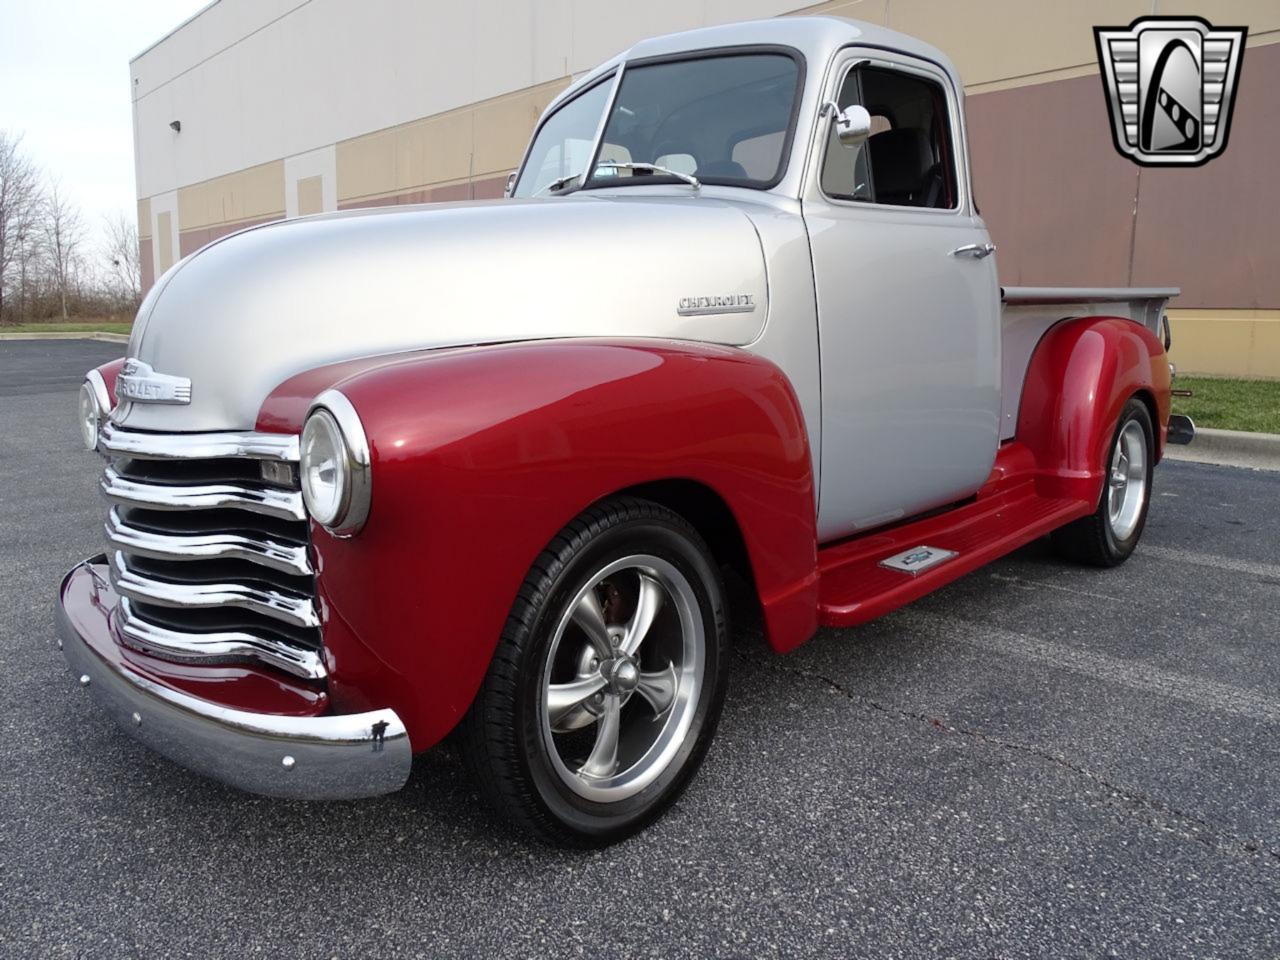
(378, 477)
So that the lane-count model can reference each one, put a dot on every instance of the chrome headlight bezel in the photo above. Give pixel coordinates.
(93, 408)
(334, 434)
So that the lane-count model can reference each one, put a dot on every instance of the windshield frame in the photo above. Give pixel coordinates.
(594, 182)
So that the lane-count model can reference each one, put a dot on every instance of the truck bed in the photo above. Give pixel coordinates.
(1027, 312)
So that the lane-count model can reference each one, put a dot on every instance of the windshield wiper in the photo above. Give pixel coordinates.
(688, 178)
(557, 184)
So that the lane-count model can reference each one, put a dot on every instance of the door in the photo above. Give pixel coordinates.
(908, 303)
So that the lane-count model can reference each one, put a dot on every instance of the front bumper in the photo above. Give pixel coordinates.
(308, 758)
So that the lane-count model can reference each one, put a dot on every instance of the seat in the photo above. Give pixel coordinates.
(903, 169)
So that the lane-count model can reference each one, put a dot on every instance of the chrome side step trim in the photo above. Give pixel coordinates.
(284, 504)
(287, 608)
(284, 557)
(115, 440)
(228, 646)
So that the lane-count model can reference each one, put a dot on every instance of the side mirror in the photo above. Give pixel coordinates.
(511, 184)
(853, 123)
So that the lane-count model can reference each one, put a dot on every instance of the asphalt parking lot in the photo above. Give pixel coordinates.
(1040, 760)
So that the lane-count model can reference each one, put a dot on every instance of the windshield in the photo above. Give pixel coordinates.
(564, 142)
(725, 119)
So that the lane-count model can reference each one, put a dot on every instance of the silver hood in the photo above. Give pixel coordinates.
(247, 312)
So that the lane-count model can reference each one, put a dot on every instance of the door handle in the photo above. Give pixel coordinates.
(974, 251)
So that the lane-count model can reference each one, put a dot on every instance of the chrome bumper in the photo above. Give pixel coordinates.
(308, 758)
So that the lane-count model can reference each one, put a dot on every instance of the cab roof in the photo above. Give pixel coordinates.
(817, 38)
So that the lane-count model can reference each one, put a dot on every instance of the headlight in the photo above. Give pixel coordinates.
(88, 417)
(95, 404)
(334, 465)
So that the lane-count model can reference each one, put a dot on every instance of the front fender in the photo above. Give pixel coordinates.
(481, 455)
(1081, 375)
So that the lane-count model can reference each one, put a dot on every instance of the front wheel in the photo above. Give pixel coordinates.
(605, 689)
(1106, 537)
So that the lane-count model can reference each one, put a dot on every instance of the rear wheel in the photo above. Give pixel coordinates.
(1109, 535)
(605, 689)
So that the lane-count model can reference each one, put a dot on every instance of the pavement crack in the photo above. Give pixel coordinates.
(1193, 827)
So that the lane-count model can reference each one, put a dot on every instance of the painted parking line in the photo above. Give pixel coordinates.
(1023, 583)
(1212, 561)
(1210, 695)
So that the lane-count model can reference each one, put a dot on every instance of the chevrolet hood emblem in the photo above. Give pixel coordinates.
(139, 383)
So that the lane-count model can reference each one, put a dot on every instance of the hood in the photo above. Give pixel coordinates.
(249, 311)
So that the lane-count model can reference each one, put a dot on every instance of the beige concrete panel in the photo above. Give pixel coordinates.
(870, 11)
(414, 154)
(1260, 16)
(310, 195)
(503, 127)
(726, 11)
(252, 194)
(1000, 39)
(144, 218)
(148, 266)
(482, 139)
(438, 148)
(1265, 356)
(1226, 343)
(164, 242)
(366, 165)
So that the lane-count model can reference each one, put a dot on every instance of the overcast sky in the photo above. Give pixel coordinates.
(64, 85)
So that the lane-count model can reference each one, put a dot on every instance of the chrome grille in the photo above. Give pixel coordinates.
(211, 562)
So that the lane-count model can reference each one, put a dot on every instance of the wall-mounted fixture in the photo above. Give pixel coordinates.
(175, 126)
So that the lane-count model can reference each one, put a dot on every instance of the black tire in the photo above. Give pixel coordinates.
(1094, 539)
(503, 738)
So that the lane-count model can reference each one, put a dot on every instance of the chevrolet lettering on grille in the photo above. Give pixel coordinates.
(139, 383)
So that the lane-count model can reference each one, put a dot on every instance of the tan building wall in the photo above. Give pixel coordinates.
(1061, 204)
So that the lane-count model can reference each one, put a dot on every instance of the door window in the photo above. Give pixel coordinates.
(909, 160)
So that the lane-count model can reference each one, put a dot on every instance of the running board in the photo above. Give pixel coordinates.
(872, 574)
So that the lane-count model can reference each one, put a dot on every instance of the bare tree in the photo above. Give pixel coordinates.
(124, 265)
(63, 233)
(19, 205)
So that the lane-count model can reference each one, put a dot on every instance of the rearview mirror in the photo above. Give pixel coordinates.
(853, 124)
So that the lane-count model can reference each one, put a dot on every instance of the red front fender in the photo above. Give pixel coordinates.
(1081, 375)
(481, 455)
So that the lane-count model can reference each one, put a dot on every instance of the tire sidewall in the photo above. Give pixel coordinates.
(1134, 411)
(666, 540)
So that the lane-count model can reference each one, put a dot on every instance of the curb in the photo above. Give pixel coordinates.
(1230, 448)
(68, 335)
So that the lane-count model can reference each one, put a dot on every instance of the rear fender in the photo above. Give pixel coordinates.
(1081, 375)
(481, 455)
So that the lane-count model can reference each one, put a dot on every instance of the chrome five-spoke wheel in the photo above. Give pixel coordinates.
(621, 678)
(1108, 535)
(604, 692)
(1127, 482)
